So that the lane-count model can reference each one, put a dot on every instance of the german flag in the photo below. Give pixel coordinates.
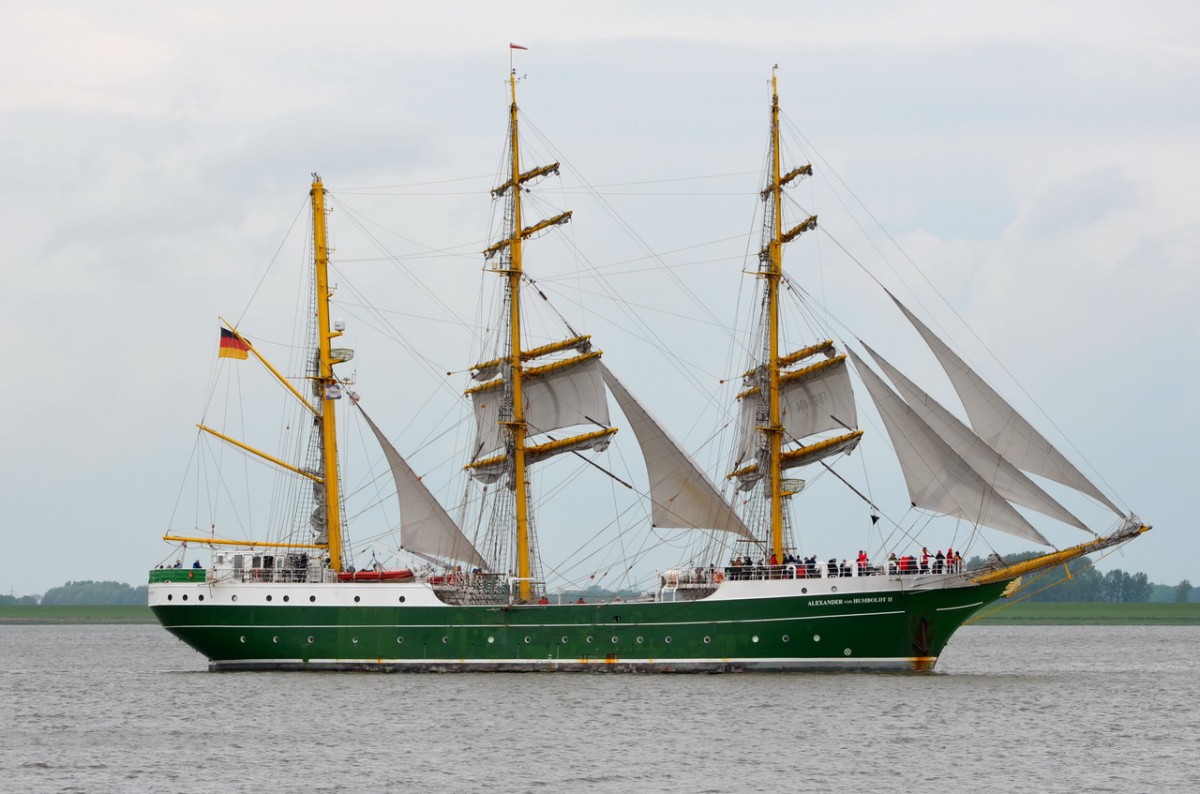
(232, 346)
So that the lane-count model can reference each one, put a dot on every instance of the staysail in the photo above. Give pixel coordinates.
(681, 495)
(1006, 478)
(938, 478)
(425, 527)
(1000, 425)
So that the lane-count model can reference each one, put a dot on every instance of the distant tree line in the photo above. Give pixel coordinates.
(96, 594)
(1085, 583)
(12, 600)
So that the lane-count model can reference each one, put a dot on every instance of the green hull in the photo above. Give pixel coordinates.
(893, 629)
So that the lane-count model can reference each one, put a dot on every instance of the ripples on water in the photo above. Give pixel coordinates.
(1046, 709)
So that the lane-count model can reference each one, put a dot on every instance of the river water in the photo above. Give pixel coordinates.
(1046, 709)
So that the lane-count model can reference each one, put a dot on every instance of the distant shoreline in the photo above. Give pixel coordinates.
(999, 614)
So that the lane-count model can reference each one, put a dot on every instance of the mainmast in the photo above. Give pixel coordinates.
(524, 398)
(325, 386)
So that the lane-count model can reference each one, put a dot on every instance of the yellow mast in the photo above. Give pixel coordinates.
(772, 255)
(524, 562)
(774, 272)
(325, 380)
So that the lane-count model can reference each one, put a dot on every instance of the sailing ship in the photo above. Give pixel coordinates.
(481, 603)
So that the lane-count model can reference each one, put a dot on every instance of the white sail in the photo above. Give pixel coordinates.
(811, 400)
(425, 527)
(938, 478)
(1000, 425)
(681, 495)
(565, 394)
(821, 401)
(1006, 478)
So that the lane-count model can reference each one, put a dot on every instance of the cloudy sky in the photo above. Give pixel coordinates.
(1037, 162)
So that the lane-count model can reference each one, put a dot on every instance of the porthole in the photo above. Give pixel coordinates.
(200, 598)
(275, 639)
(312, 599)
(268, 598)
(445, 640)
(589, 640)
(401, 599)
(754, 638)
(354, 640)
(399, 640)
(786, 638)
(491, 640)
(528, 639)
(311, 640)
(667, 639)
(170, 597)
(287, 598)
(357, 599)
(614, 639)
(847, 651)
(242, 638)
(833, 589)
(185, 596)
(639, 640)
(803, 590)
(816, 638)
(707, 640)
(564, 639)
(233, 597)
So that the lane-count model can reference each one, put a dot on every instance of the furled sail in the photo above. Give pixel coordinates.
(938, 478)
(1000, 425)
(1006, 478)
(681, 495)
(425, 527)
(557, 395)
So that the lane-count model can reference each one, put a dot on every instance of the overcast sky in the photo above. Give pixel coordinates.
(1038, 161)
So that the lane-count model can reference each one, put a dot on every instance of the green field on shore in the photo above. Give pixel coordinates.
(1030, 613)
(998, 614)
(27, 613)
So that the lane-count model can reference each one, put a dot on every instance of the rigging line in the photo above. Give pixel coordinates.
(274, 258)
(364, 188)
(677, 179)
(360, 222)
(621, 222)
(949, 305)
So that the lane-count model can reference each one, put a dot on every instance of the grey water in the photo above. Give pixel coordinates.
(1048, 709)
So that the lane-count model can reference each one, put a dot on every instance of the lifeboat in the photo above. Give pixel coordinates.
(399, 574)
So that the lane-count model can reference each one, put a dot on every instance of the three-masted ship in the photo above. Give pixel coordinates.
(482, 603)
